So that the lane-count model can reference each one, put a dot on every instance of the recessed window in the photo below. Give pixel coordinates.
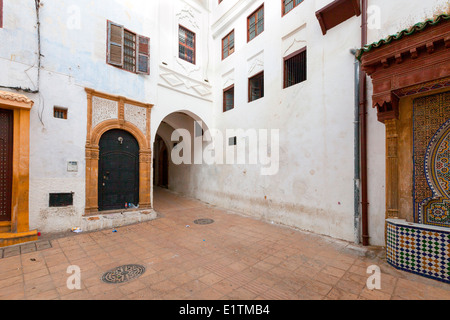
(60, 200)
(256, 87)
(255, 23)
(186, 39)
(232, 141)
(128, 50)
(60, 113)
(288, 5)
(228, 99)
(295, 68)
(228, 45)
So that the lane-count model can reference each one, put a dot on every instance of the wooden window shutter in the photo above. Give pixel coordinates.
(115, 44)
(143, 55)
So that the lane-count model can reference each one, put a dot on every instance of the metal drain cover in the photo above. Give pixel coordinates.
(204, 221)
(123, 273)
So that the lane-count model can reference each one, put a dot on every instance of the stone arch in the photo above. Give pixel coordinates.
(181, 119)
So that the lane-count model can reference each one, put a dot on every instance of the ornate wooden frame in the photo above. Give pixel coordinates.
(413, 64)
(17, 230)
(92, 149)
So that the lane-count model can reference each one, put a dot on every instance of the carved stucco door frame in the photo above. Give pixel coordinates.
(124, 114)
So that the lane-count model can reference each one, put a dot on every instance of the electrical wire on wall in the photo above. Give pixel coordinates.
(36, 85)
(38, 26)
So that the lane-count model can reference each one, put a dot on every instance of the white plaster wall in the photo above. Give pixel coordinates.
(73, 44)
(313, 189)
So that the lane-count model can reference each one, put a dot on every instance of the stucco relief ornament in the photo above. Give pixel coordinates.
(436, 210)
(137, 116)
(103, 109)
(187, 14)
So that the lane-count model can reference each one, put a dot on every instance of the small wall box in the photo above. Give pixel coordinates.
(72, 166)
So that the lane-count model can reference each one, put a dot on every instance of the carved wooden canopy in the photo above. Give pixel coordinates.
(411, 62)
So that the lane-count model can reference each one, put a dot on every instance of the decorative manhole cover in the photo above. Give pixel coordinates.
(204, 221)
(123, 274)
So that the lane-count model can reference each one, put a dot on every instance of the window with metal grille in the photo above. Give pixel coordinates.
(228, 45)
(255, 23)
(288, 5)
(228, 99)
(256, 87)
(128, 50)
(186, 40)
(60, 113)
(295, 68)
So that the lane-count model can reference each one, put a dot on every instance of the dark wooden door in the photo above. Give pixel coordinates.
(6, 152)
(118, 176)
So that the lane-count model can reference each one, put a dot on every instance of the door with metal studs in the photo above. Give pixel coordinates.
(118, 179)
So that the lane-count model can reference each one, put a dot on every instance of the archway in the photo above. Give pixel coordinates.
(168, 175)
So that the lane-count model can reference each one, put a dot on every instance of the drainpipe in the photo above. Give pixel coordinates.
(363, 134)
(357, 164)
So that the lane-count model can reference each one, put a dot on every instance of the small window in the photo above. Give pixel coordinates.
(295, 68)
(256, 87)
(60, 200)
(60, 113)
(186, 39)
(288, 5)
(232, 141)
(228, 99)
(128, 50)
(255, 23)
(228, 45)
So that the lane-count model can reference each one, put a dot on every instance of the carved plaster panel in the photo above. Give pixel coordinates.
(256, 64)
(137, 116)
(103, 109)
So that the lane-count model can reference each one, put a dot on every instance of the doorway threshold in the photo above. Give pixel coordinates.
(116, 218)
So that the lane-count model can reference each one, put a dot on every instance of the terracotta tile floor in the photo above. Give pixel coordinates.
(236, 258)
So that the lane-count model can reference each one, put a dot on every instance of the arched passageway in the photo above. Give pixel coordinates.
(166, 174)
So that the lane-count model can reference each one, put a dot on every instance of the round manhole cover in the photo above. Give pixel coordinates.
(204, 221)
(123, 273)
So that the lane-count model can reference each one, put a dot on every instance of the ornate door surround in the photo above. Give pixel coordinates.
(411, 63)
(107, 112)
(17, 229)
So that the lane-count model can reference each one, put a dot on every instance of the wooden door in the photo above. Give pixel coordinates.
(118, 176)
(6, 152)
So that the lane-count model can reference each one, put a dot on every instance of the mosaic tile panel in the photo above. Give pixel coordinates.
(431, 160)
(424, 251)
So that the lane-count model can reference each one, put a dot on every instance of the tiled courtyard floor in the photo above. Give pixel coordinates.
(235, 258)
